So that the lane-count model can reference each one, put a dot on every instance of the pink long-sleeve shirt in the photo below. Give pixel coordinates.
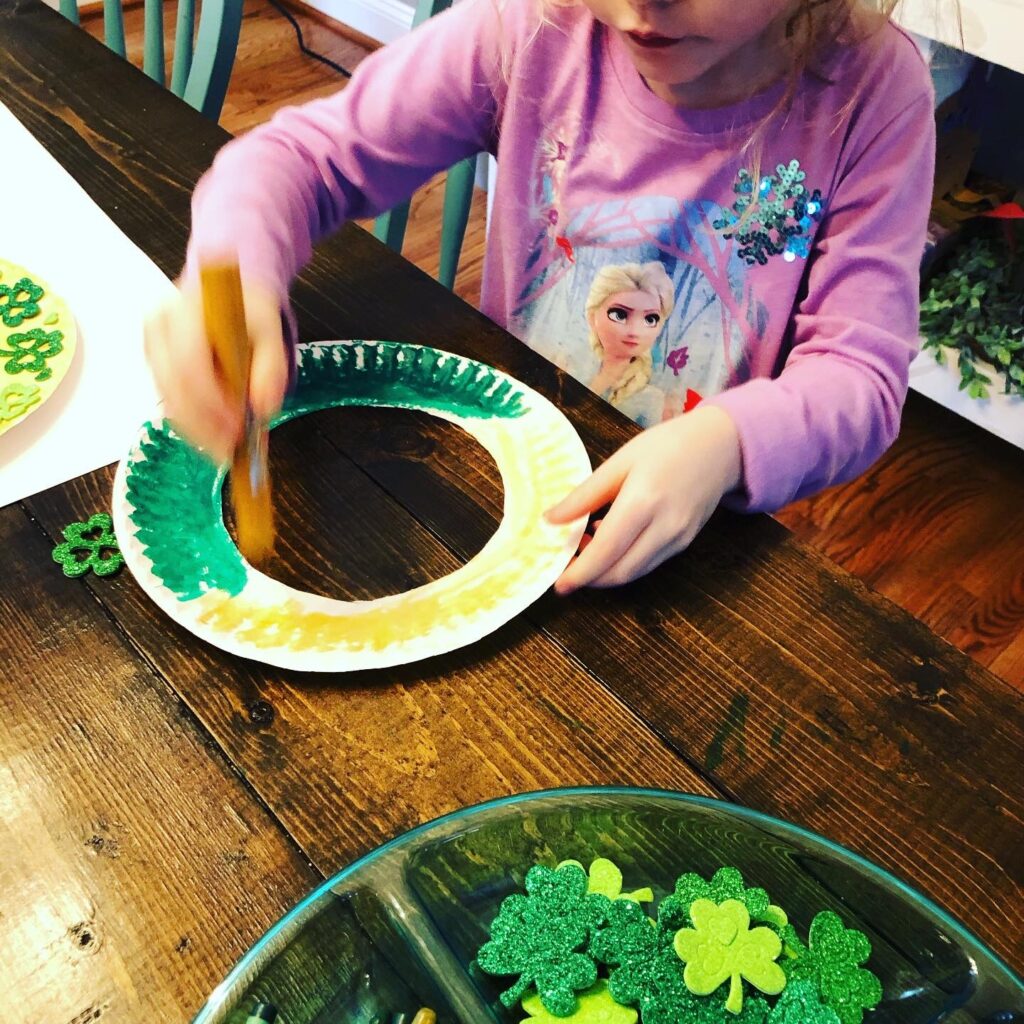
(786, 294)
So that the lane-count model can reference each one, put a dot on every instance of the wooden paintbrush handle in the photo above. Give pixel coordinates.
(224, 318)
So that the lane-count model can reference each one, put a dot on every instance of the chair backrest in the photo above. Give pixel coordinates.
(200, 72)
(458, 193)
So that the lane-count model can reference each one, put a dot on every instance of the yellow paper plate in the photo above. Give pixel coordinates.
(37, 343)
(169, 523)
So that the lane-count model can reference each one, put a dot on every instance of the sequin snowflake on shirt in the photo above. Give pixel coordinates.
(778, 221)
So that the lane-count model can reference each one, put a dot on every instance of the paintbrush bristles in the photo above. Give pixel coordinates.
(224, 319)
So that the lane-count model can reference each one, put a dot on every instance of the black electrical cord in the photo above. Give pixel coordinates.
(281, 9)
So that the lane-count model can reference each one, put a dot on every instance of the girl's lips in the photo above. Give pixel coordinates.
(650, 41)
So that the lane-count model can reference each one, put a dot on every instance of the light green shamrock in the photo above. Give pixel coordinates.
(720, 947)
(595, 1006)
(605, 878)
(726, 884)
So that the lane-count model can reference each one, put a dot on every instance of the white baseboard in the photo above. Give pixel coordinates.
(383, 20)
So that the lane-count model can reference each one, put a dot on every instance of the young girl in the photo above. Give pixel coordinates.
(774, 156)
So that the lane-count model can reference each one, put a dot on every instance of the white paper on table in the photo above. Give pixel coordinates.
(999, 414)
(51, 227)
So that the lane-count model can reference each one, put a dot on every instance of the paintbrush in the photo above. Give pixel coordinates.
(224, 318)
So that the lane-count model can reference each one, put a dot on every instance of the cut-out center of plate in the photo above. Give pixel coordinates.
(377, 501)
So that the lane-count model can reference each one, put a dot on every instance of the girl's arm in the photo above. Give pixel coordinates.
(836, 406)
(412, 109)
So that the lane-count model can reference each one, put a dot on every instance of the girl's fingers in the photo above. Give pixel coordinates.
(194, 401)
(268, 378)
(652, 547)
(621, 527)
(596, 491)
(647, 552)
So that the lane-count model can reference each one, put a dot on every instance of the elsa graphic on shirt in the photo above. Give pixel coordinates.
(626, 308)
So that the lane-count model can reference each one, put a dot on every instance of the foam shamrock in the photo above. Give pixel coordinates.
(16, 399)
(646, 971)
(628, 937)
(539, 937)
(605, 878)
(831, 960)
(19, 301)
(28, 352)
(665, 999)
(657, 989)
(89, 545)
(725, 884)
(596, 1006)
(801, 1004)
(720, 948)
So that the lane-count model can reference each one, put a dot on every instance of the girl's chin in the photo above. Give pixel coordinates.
(671, 73)
(675, 65)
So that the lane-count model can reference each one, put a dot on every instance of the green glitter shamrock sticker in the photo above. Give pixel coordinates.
(725, 884)
(540, 937)
(647, 973)
(596, 1006)
(16, 399)
(605, 878)
(801, 1004)
(720, 948)
(831, 960)
(19, 301)
(89, 545)
(29, 351)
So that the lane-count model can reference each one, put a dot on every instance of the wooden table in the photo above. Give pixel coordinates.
(163, 803)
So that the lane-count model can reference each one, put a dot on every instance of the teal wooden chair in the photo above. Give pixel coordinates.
(458, 194)
(200, 72)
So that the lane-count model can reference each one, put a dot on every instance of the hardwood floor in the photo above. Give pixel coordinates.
(936, 525)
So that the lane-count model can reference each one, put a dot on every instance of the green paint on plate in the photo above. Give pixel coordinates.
(387, 373)
(175, 493)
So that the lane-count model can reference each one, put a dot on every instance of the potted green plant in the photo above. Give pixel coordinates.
(973, 305)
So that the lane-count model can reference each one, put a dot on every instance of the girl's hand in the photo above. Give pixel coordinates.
(663, 486)
(182, 364)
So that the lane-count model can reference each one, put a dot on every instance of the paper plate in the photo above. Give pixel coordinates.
(167, 514)
(37, 343)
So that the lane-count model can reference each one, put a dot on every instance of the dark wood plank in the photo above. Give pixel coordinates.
(135, 866)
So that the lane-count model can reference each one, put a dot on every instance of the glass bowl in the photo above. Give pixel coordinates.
(399, 929)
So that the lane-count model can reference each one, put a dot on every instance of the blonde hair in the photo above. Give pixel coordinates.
(627, 277)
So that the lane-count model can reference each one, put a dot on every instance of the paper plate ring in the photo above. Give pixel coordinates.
(167, 514)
